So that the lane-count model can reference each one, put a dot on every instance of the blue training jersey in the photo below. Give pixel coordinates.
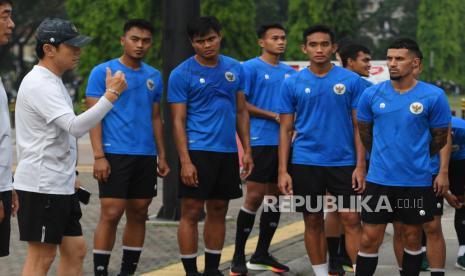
(401, 131)
(458, 138)
(210, 96)
(458, 144)
(263, 82)
(323, 115)
(127, 128)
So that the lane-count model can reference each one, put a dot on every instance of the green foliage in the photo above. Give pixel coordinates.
(238, 21)
(340, 16)
(440, 26)
(103, 20)
(393, 18)
(267, 11)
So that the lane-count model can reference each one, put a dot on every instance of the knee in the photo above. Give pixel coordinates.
(351, 221)
(111, 215)
(78, 252)
(433, 231)
(411, 240)
(45, 260)
(191, 214)
(370, 241)
(313, 223)
(253, 200)
(137, 215)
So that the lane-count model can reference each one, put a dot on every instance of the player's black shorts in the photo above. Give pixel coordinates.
(457, 176)
(47, 218)
(131, 177)
(313, 182)
(5, 225)
(438, 202)
(265, 159)
(218, 175)
(409, 205)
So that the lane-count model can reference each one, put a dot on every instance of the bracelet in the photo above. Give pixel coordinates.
(99, 157)
(114, 92)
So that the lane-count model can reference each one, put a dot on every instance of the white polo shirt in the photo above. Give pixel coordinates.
(6, 156)
(46, 152)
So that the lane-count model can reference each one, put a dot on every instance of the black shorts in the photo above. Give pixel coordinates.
(5, 225)
(409, 205)
(47, 218)
(438, 202)
(457, 177)
(131, 177)
(265, 159)
(218, 175)
(313, 182)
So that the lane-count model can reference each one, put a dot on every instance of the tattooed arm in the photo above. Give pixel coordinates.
(366, 134)
(438, 140)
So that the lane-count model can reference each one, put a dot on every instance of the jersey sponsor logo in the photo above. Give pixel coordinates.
(267, 77)
(438, 205)
(150, 84)
(192, 141)
(382, 105)
(202, 80)
(286, 76)
(230, 76)
(416, 108)
(422, 213)
(339, 89)
(254, 138)
(307, 90)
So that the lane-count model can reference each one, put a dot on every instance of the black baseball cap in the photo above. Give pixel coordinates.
(56, 31)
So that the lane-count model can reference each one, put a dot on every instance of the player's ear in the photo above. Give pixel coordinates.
(303, 48)
(261, 43)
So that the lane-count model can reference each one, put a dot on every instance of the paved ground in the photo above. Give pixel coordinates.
(161, 245)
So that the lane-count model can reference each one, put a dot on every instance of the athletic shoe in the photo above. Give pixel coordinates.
(424, 262)
(266, 262)
(335, 267)
(460, 262)
(346, 263)
(238, 267)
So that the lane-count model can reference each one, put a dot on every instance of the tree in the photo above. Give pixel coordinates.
(394, 18)
(27, 15)
(340, 16)
(103, 20)
(270, 12)
(238, 21)
(440, 25)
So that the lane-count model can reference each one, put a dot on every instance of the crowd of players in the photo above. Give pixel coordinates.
(324, 130)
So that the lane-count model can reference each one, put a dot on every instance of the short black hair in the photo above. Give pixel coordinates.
(40, 48)
(202, 25)
(351, 51)
(138, 23)
(261, 31)
(318, 29)
(6, 2)
(409, 44)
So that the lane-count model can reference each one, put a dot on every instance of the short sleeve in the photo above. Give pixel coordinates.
(440, 115)
(287, 100)
(158, 91)
(177, 88)
(364, 112)
(358, 86)
(249, 76)
(242, 81)
(50, 102)
(96, 83)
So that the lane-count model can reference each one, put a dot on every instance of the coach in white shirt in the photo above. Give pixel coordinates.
(46, 131)
(8, 198)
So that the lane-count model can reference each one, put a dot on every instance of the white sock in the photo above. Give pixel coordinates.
(354, 266)
(423, 248)
(461, 250)
(321, 269)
